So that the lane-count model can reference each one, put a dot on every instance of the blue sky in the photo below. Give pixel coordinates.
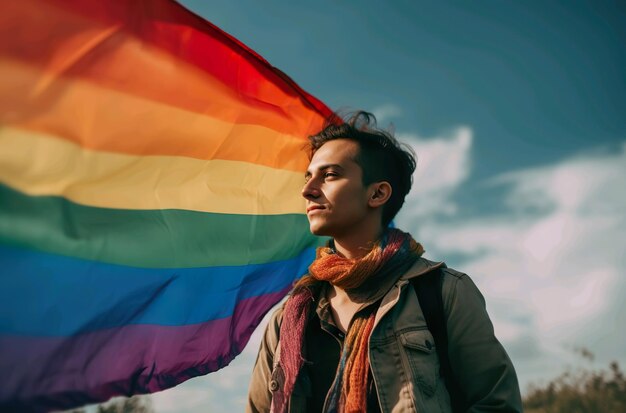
(517, 113)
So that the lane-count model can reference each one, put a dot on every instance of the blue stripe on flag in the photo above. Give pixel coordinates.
(43, 294)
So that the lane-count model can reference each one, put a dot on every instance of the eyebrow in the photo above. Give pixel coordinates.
(308, 173)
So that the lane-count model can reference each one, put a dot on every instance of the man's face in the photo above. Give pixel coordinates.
(336, 199)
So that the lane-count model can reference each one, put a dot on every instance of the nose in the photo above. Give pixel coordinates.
(310, 190)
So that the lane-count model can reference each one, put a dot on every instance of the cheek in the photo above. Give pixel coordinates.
(352, 202)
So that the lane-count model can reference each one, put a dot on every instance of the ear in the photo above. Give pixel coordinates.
(380, 192)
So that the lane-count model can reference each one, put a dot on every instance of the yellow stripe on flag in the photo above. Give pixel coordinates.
(39, 164)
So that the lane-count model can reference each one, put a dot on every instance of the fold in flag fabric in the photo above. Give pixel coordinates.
(150, 210)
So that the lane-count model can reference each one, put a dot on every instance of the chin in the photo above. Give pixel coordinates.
(318, 230)
(315, 231)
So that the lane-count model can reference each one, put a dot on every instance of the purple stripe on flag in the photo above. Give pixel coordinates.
(64, 372)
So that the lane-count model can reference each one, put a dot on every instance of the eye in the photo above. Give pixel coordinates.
(329, 174)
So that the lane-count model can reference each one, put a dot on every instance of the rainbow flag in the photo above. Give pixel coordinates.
(150, 208)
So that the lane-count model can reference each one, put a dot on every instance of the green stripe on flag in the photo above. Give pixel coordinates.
(149, 238)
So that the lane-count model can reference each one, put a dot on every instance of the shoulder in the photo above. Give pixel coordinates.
(277, 316)
(453, 274)
(457, 286)
(423, 266)
(454, 280)
(420, 267)
(459, 290)
(272, 330)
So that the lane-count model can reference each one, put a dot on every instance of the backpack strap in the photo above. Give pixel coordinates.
(428, 288)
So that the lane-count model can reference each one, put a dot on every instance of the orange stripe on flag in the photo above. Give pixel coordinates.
(108, 120)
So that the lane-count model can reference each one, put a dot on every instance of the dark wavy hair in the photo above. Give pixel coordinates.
(381, 156)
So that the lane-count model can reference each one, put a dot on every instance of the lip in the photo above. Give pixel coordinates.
(314, 208)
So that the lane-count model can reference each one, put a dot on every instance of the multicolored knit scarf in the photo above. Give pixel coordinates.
(390, 257)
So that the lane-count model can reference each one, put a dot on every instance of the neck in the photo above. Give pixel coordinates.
(357, 244)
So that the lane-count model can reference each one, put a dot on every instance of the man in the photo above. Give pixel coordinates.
(353, 337)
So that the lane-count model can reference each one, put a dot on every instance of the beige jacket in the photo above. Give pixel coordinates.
(403, 359)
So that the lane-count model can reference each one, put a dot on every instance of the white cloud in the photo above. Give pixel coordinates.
(386, 112)
(187, 397)
(443, 163)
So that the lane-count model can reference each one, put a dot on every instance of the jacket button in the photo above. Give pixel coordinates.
(273, 385)
(428, 344)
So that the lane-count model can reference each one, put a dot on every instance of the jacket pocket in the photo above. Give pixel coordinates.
(419, 347)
